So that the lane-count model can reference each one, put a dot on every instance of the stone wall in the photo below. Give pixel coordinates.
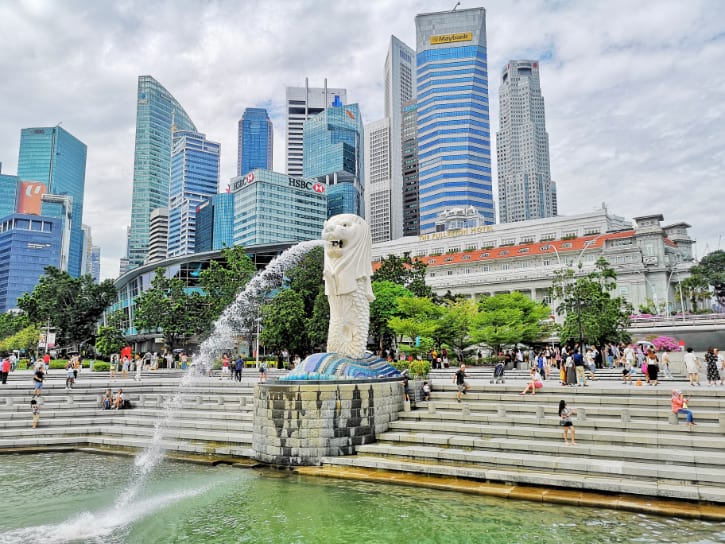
(298, 423)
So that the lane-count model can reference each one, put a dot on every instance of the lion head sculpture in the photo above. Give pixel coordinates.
(348, 256)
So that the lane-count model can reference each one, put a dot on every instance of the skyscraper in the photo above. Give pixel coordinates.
(158, 236)
(411, 214)
(383, 152)
(8, 194)
(28, 243)
(379, 166)
(302, 104)
(333, 155)
(194, 178)
(525, 189)
(255, 141)
(53, 156)
(454, 144)
(152, 157)
(215, 223)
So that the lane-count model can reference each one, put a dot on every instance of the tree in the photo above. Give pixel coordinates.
(306, 277)
(24, 339)
(510, 318)
(382, 309)
(592, 314)
(709, 272)
(109, 340)
(167, 308)
(72, 305)
(11, 323)
(455, 324)
(222, 281)
(417, 319)
(695, 289)
(283, 320)
(318, 324)
(405, 272)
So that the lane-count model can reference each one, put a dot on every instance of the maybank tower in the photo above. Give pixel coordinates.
(454, 142)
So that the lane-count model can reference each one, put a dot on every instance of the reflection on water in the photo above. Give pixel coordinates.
(71, 498)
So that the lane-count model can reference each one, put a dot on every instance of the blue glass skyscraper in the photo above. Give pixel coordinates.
(256, 136)
(28, 243)
(333, 154)
(155, 111)
(8, 194)
(215, 223)
(53, 156)
(454, 140)
(194, 178)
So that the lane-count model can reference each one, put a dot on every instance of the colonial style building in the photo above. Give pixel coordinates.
(480, 261)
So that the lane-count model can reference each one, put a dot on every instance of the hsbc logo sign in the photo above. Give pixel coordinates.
(308, 185)
(243, 182)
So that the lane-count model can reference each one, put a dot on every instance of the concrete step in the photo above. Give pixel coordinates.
(557, 479)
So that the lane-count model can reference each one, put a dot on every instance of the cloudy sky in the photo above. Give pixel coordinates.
(634, 90)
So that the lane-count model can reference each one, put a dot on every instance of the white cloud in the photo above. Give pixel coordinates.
(634, 100)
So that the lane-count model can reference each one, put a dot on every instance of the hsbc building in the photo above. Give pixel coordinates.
(270, 207)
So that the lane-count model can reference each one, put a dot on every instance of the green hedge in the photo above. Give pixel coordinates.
(101, 367)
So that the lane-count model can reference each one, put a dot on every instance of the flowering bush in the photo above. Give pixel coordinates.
(662, 343)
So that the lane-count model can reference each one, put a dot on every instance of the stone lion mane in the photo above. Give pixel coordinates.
(347, 272)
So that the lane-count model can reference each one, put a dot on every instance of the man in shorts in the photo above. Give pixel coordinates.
(38, 378)
(460, 379)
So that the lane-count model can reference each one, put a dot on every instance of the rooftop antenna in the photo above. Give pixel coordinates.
(454, 7)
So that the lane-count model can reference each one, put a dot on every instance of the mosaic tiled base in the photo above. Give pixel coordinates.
(332, 366)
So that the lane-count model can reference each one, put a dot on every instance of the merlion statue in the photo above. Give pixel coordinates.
(348, 267)
(347, 272)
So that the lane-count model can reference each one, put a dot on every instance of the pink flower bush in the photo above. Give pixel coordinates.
(662, 343)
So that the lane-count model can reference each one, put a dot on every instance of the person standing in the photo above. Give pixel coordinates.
(665, 360)
(125, 363)
(460, 380)
(720, 365)
(653, 367)
(38, 378)
(46, 362)
(226, 370)
(579, 368)
(5, 369)
(693, 367)
(711, 361)
(566, 422)
(238, 365)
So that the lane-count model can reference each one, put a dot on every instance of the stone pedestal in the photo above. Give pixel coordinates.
(298, 423)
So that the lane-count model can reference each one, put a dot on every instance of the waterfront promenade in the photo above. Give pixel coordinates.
(631, 452)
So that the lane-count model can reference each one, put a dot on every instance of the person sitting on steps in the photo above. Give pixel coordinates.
(118, 401)
(680, 406)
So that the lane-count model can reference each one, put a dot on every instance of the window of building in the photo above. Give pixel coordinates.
(504, 252)
(524, 250)
(566, 245)
(466, 257)
(527, 240)
(589, 231)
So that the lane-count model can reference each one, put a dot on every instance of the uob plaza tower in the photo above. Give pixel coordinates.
(454, 142)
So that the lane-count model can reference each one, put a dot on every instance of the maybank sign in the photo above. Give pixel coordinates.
(449, 38)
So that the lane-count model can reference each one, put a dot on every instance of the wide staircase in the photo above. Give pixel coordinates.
(628, 439)
(208, 418)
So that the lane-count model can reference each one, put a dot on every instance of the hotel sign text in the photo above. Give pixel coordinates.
(452, 233)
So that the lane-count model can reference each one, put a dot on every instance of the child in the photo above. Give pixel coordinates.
(426, 391)
(35, 407)
(566, 422)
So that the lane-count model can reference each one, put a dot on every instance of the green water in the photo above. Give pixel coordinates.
(70, 497)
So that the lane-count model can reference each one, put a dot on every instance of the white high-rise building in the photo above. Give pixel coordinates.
(399, 88)
(525, 189)
(302, 104)
(384, 153)
(378, 168)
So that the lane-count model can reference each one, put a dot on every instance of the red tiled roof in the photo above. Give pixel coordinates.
(522, 250)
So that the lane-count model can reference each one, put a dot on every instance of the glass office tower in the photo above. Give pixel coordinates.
(333, 154)
(215, 223)
(8, 194)
(194, 178)
(28, 243)
(454, 143)
(256, 139)
(53, 156)
(156, 110)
